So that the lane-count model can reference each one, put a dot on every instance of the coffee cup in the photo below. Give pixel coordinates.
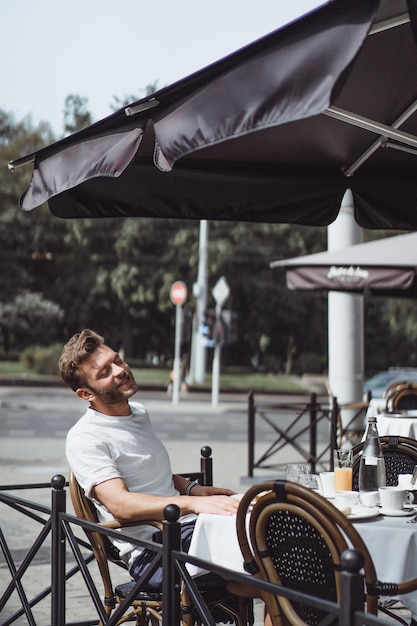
(369, 498)
(404, 481)
(327, 484)
(345, 499)
(394, 498)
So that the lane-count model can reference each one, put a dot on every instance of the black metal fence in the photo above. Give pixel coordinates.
(60, 528)
(295, 424)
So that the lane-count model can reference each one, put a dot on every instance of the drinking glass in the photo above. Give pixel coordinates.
(313, 482)
(343, 470)
(297, 473)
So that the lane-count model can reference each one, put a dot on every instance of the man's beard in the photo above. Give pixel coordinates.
(114, 396)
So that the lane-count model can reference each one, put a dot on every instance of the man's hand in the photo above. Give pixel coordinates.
(219, 505)
(126, 506)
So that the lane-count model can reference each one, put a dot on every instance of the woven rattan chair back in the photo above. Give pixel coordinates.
(405, 400)
(400, 454)
(401, 396)
(296, 538)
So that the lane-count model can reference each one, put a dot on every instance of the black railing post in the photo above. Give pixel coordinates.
(171, 540)
(352, 587)
(313, 432)
(251, 432)
(58, 506)
(206, 465)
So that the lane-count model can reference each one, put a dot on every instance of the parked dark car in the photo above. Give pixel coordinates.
(378, 383)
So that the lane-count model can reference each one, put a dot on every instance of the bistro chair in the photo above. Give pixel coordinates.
(392, 386)
(350, 432)
(295, 538)
(401, 396)
(400, 454)
(147, 607)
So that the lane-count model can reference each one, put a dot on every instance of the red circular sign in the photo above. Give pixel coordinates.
(178, 292)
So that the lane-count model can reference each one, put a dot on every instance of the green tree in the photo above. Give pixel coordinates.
(120, 102)
(17, 271)
(243, 252)
(30, 319)
(76, 115)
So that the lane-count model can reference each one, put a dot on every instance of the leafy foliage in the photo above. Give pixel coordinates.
(30, 318)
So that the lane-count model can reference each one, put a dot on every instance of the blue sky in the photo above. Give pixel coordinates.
(98, 49)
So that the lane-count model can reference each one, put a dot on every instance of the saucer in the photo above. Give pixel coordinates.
(360, 512)
(397, 513)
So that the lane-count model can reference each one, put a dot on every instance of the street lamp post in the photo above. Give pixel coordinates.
(198, 369)
(178, 295)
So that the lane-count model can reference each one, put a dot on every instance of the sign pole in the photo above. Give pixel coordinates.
(215, 374)
(177, 355)
(178, 295)
(220, 293)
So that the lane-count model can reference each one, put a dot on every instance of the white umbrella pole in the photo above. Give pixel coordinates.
(345, 317)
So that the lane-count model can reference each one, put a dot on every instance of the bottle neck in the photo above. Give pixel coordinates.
(372, 430)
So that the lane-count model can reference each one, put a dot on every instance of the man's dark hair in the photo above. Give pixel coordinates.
(76, 351)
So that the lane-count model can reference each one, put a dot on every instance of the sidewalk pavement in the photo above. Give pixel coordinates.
(36, 460)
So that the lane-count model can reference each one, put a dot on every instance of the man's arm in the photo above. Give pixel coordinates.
(126, 506)
(182, 483)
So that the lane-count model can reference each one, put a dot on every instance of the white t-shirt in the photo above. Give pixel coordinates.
(100, 447)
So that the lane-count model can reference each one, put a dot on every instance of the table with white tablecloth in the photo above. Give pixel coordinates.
(215, 540)
(403, 423)
(392, 544)
(391, 541)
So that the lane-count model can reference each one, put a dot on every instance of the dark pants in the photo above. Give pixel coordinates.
(142, 562)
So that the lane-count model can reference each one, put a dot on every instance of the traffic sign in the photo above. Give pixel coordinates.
(221, 292)
(178, 292)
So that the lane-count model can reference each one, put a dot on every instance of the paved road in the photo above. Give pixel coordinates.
(34, 422)
(50, 411)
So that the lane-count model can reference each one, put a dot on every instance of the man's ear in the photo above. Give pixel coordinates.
(85, 394)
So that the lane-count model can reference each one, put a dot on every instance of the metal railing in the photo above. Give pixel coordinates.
(59, 525)
(291, 422)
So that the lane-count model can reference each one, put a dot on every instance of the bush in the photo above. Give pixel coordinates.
(310, 363)
(31, 318)
(42, 360)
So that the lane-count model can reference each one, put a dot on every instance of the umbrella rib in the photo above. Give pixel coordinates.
(375, 127)
(393, 22)
(394, 146)
(381, 141)
(133, 109)
(372, 126)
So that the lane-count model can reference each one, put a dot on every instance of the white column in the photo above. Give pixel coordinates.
(345, 316)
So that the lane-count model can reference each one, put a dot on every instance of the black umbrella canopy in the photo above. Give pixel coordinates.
(384, 266)
(275, 132)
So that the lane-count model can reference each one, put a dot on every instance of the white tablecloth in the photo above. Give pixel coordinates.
(392, 544)
(215, 540)
(376, 406)
(404, 425)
